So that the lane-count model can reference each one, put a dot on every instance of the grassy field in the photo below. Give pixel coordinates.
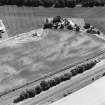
(57, 92)
(29, 61)
(21, 64)
(23, 19)
(97, 22)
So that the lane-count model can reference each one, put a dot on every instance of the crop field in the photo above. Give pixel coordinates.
(23, 63)
(32, 60)
(23, 19)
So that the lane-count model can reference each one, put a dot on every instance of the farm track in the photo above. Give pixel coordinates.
(97, 56)
(20, 36)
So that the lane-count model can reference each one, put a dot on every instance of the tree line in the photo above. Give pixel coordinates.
(60, 23)
(54, 3)
(47, 84)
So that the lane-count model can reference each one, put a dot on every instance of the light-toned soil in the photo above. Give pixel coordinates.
(85, 94)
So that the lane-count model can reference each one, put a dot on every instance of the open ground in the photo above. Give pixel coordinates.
(32, 60)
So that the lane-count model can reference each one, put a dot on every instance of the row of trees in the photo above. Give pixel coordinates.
(91, 29)
(45, 85)
(60, 23)
(69, 27)
(54, 3)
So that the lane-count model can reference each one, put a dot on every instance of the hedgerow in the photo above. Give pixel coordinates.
(54, 3)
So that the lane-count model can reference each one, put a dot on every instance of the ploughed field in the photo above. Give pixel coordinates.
(23, 19)
(33, 60)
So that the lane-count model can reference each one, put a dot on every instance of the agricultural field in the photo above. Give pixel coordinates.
(29, 61)
(23, 19)
(26, 62)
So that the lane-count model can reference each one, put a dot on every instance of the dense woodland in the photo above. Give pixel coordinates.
(47, 84)
(54, 3)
